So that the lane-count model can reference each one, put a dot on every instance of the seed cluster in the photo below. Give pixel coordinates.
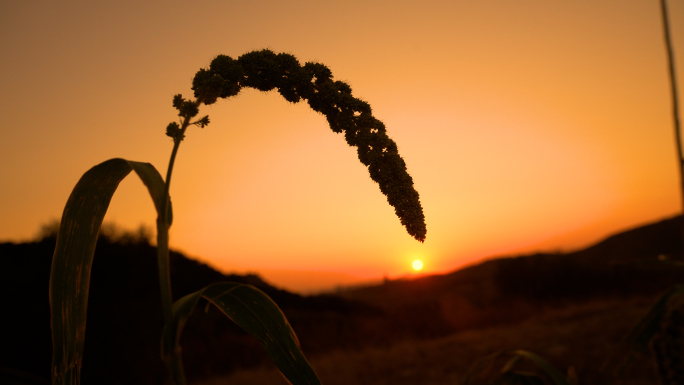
(266, 70)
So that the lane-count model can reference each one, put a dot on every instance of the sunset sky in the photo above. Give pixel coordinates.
(526, 125)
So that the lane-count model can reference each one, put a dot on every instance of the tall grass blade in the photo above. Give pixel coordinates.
(544, 365)
(257, 314)
(639, 337)
(508, 375)
(73, 257)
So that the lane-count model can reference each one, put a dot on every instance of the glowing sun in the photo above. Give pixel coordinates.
(417, 265)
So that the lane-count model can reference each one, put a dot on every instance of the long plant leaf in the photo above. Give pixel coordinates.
(556, 377)
(639, 337)
(647, 327)
(545, 366)
(257, 314)
(73, 257)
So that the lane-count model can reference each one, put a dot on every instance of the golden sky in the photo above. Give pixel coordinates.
(526, 125)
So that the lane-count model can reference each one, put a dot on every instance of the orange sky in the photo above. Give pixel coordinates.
(526, 125)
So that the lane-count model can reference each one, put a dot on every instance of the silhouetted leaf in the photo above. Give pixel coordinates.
(258, 315)
(643, 332)
(507, 374)
(73, 257)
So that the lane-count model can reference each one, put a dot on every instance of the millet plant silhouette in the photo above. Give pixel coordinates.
(250, 308)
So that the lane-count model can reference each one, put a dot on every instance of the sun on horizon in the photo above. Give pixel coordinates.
(417, 265)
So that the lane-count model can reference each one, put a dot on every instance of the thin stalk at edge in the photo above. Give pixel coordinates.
(675, 100)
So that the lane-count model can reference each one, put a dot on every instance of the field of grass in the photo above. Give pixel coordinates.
(584, 339)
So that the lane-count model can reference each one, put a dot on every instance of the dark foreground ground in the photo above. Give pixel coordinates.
(585, 340)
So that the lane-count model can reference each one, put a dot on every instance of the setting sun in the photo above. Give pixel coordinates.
(417, 265)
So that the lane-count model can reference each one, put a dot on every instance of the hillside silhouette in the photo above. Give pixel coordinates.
(125, 321)
(504, 290)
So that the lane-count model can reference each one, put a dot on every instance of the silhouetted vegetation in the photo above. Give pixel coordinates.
(250, 308)
(124, 313)
(122, 344)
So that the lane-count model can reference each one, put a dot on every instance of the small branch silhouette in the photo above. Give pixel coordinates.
(675, 98)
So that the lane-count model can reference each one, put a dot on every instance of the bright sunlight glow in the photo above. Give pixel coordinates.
(417, 265)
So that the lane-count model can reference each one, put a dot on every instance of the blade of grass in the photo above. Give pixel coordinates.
(556, 377)
(257, 314)
(639, 337)
(544, 365)
(73, 257)
(510, 364)
(480, 365)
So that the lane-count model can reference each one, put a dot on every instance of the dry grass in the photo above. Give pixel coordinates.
(584, 338)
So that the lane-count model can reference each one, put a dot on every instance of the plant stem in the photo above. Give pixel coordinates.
(173, 358)
(163, 244)
(675, 100)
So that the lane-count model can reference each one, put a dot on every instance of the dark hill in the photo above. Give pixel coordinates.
(125, 320)
(503, 290)
(124, 315)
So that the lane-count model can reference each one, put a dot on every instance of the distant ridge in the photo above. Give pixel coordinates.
(657, 240)
(624, 264)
